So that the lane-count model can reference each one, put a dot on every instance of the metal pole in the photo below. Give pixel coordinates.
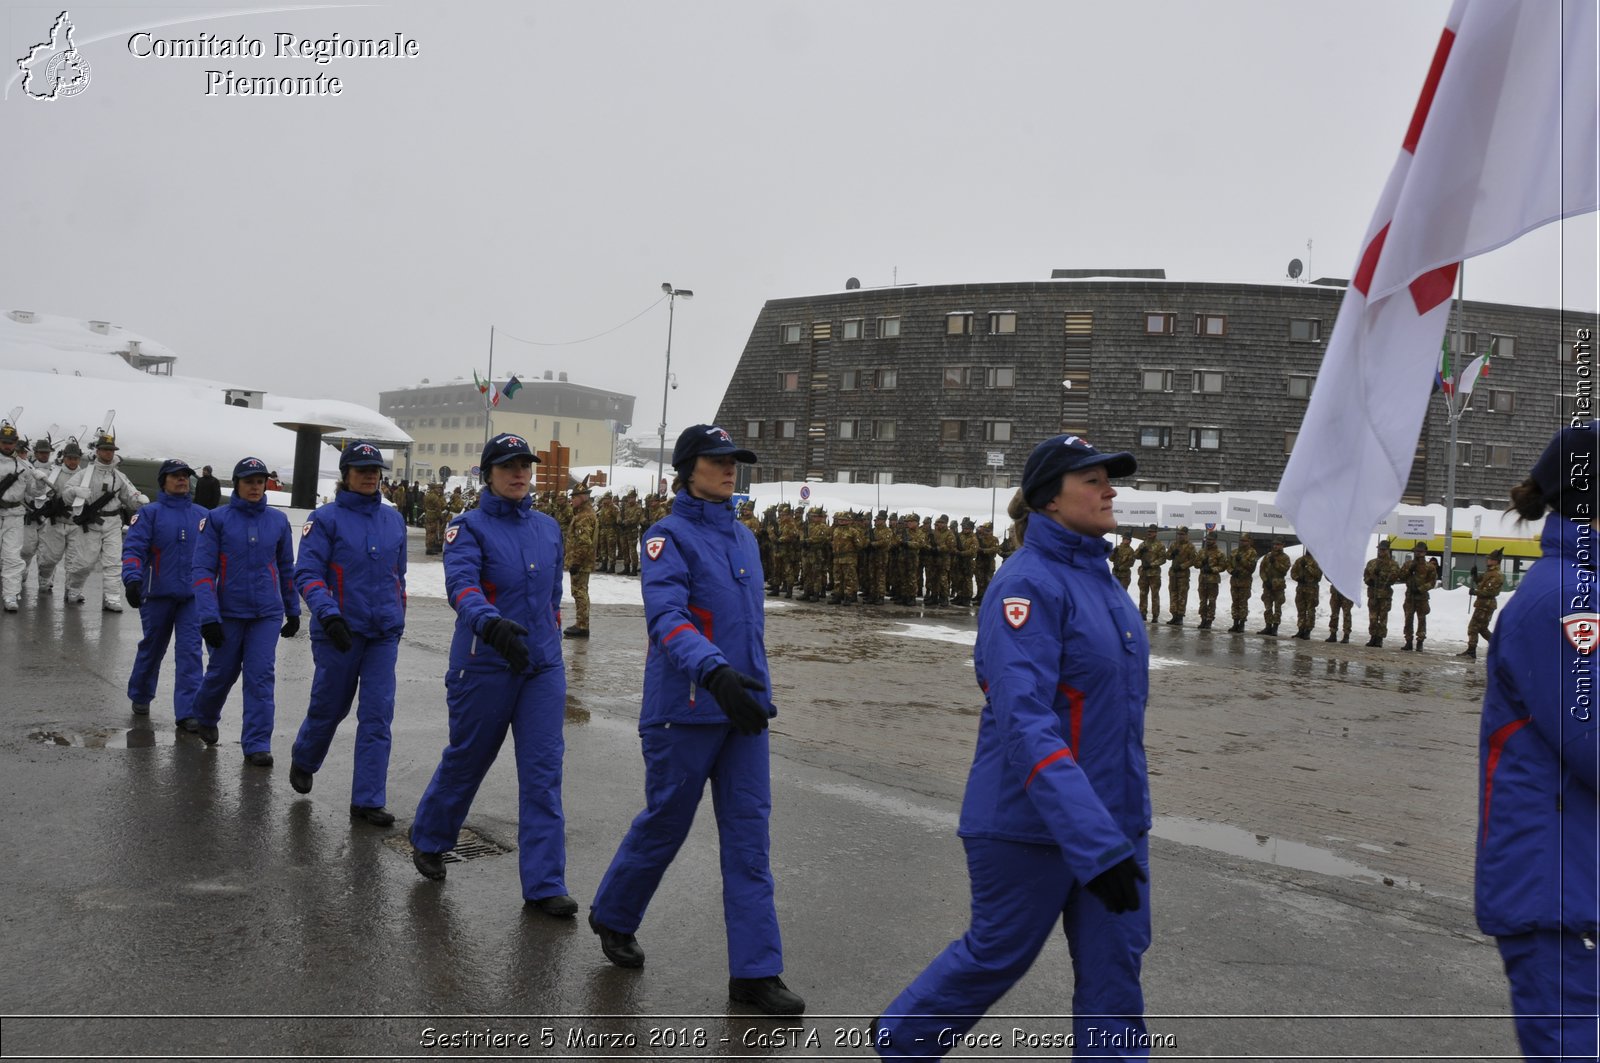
(994, 486)
(661, 455)
(491, 384)
(611, 468)
(1455, 418)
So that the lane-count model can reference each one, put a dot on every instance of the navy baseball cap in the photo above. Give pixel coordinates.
(173, 467)
(359, 454)
(1059, 455)
(1566, 471)
(503, 448)
(249, 467)
(707, 440)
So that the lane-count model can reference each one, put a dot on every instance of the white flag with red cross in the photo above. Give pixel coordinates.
(1502, 141)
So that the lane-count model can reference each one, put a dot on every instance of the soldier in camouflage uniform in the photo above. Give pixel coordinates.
(433, 519)
(582, 534)
(815, 551)
(1485, 592)
(927, 560)
(1213, 563)
(1122, 559)
(884, 542)
(1307, 576)
(1420, 574)
(988, 547)
(944, 555)
(1241, 577)
(1381, 574)
(457, 503)
(1340, 606)
(563, 514)
(767, 539)
(912, 543)
(1152, 554)
(747, 517)
(787, 551)
(1183, 557)
(605, 542)
(1274, 583)
(847, 543)
(630, 525)
(961, 562)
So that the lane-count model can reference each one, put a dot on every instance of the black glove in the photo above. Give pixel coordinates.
(135, 594)
(506, 636)
(291, 624)
(732, 691)
(1474, 574)
(572, 572)
(338, 633)
(212, 633)
(1118, 886)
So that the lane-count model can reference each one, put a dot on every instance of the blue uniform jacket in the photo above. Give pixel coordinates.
(158, 551)
(1064, 664)
(700, 574)
(352, 563)
(504, 559)
(1538, 815)
(243, 564)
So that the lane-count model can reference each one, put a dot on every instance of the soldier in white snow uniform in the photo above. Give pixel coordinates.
(98, 493)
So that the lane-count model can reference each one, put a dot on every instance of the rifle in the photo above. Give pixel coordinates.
(5, 485)
(91, 512)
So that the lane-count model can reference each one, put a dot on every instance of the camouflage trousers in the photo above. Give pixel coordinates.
(1339, 606)
(1150, 594)
(579, 579)
(1378, 614)
(1272, 602)
(1209, 586)
(787, 566)
(1178, 592)
(1123, 576)
(982, 575)
(1479, 624)
(845, 584)
(938, 578)
(605, 549)
(1415, 608)
(961, 578)
(1239, 596)
(1306, 596)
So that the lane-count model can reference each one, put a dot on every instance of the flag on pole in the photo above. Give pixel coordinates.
(512, 387)
(1478, 367)
(494, 394)
(1502, 141)
(1445, 379)
(483, 388)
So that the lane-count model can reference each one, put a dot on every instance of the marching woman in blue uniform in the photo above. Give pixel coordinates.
(158, 580)
(1538, 870)
(352, 573)
(704, 717)
(502, 571)
(244, 588)
(1057, 807)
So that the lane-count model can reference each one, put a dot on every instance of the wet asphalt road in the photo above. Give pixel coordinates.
(1311, 866)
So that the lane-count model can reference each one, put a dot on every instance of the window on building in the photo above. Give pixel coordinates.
(1289, 437)
(1465, 343)
(955, 376)
(849, 379)
(1211, 324)
(958, 324)
(1567, 351)
(1150, 485)
(789, 381)
(1080, 324)
(1463, 452)
(850, 328)
(786, 429)
(1501, 401)
(952, 431)
(1002, 322)
(949, 479)
(1305, 329)
(1205, 439)
(997, 431)
(1155, 435)
(1503, 346)
(1566, 406)
(789, 332)
(752, 429)
(1155, 379)
(1204, 487)
(888, 379)
(1000, 376)
(884, 476)
(1160, 324)
(1208, 381)
(1498, 456)
(889, 327)
(1300, 386)
(847, 429)
(883, 429)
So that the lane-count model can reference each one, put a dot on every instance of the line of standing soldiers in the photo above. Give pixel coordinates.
(897, 557)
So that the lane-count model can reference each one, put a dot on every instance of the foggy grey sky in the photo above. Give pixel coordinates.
(543, 166)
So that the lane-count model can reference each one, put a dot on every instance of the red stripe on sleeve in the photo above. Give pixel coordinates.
(464, 593)
(681, 627)
(1497, 743)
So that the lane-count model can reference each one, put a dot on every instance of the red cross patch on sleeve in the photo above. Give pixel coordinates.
(1581, 630)
(305, 529)
(133, 520)
(450, 533)
(202, 524)
(1016, 611)
(653, 547)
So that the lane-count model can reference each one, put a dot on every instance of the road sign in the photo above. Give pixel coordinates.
(997, 458)
(805, 492)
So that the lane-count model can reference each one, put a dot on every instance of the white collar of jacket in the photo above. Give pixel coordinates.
(1063, 544)
(702, 512)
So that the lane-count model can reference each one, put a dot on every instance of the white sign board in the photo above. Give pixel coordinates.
(1418, 526)
(1271, 516)
(1389, 525)
(1205, 513)
(1174, 516)
(1241, 509)
(1139, 513)
(997, 458)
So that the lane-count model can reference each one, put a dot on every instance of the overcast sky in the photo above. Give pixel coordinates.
(544, 165)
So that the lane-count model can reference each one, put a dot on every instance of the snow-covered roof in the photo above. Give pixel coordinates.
(66, 373)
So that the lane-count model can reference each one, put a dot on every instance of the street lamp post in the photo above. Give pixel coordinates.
(673, 295)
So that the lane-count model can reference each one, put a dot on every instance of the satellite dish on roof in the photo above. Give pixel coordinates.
(852, 284)
(1296, 267)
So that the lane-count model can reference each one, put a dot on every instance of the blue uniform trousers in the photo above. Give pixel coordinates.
(678, 759)
(161, 618)
(1555, 992)
(1019, 891)
(250, 646)
(369, 664)
(483, 705)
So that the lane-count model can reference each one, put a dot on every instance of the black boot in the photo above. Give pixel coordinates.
(1346, 637)
(1177, 620)
(1205, 625)
(1333, 636)
(1419, 643)
(1469, 653)
(768, 995)
(1237, 628)
(1303, 633)
(1375, 643)
(1407, 647)
(621, 949)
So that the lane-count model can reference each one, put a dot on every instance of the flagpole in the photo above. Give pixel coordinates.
(1454, 418)
(486, 421)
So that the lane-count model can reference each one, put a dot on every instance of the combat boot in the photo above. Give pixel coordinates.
(576, 632)
(1237, 628)
(1333, 636)
(1176, 621)
(1419, 643)
(1205, 625)
(768, 995)
(1303, 633)
(1265, 631)
(1407, 647)
(1346, 637)
(1375, 643)
(1469, 653)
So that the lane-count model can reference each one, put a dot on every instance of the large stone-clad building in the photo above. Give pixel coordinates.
(1205, 382)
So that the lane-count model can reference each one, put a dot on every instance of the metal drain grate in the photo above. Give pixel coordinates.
(470, 845)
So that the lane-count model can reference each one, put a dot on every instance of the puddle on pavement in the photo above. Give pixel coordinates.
(105, 738)
(1219, 837)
